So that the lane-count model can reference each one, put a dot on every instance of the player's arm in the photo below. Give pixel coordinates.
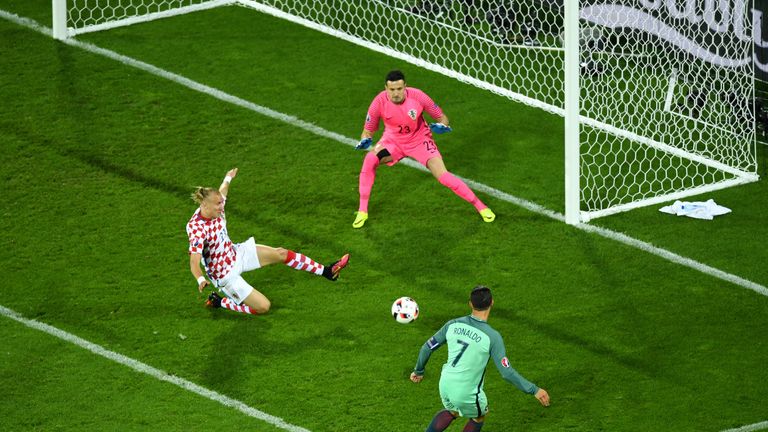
(433, 343)
(443, 119)
(499, 356)
(366, 134)
(224, 188)
(372, 118)
(441, 124)
(197, 272)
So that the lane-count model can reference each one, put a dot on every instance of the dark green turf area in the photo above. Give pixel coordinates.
(98, 159)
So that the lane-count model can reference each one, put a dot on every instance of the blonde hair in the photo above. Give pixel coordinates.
(202, 193)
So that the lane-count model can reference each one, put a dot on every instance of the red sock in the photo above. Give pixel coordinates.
(461, 189)
(226, 303)
(472, 426)
(441, 421)
(367, 177)
(298, 261)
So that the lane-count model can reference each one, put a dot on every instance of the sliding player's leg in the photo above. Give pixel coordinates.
(268, 255)
(240, 297)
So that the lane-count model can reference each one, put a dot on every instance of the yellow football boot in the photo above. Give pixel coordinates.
(487, 214)
(360, 219)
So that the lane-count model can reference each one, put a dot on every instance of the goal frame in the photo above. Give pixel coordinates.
(573, 119)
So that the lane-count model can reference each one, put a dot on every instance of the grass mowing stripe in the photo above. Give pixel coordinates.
(151, 371)
(317, 130)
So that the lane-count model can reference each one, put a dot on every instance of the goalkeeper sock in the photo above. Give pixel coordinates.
(441, 421)
(461, 189)
(298, 261)
(367, 176)
(472, 426)
(226, 303)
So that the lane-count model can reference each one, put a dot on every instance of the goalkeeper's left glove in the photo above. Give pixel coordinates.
(439, 128)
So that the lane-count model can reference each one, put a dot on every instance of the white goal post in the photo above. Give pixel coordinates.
(657, 95)
(74, 17)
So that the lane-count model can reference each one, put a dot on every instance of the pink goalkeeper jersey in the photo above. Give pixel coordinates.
(209, 237)
(403, 123)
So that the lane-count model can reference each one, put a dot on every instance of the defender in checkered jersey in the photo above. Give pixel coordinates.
(224, 261)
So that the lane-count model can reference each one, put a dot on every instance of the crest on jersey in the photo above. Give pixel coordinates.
(505, 362)
(412, 114)
(367, 118)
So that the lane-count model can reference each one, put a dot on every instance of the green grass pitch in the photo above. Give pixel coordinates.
(98, 159)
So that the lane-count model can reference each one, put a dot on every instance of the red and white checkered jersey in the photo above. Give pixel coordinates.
(209, 237)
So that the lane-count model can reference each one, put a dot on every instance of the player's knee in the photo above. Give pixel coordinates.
(263, 307)
(281, 253)
(370, 162)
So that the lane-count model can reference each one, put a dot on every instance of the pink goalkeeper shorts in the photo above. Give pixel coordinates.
(421, 150)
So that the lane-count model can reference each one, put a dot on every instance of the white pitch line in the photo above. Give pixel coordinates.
(317, 130)
(151, 371)
(533, 207)
(750, 428)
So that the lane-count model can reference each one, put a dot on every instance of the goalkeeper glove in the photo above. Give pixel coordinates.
(439, 128)
(364, 144)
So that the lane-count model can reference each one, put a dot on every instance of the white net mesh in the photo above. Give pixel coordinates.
(83, 14)
(666, 85)
(678, 74)
(515, 50)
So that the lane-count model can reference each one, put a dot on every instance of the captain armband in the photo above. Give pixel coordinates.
(432, 343)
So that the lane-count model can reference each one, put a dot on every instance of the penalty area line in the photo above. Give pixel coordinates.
(151, 371)
(319, 131)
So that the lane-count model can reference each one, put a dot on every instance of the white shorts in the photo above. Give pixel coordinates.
(233, 285)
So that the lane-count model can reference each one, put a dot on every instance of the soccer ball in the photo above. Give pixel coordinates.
(405, 310)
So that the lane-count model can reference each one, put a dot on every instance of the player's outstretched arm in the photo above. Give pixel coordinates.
(194, 267)
(224, 188)
(543, 397)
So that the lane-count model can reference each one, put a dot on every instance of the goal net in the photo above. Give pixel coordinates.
(676, 80)
(73, 17)
(664, 87)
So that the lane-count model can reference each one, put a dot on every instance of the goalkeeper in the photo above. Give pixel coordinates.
(406, 134)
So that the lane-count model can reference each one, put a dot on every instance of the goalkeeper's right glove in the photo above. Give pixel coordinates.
(364, 144)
